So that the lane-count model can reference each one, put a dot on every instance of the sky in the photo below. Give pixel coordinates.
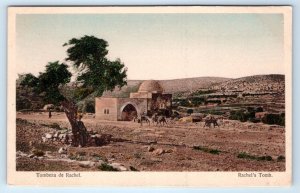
(160, 46)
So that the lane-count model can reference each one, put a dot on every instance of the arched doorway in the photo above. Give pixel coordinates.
(128, 113)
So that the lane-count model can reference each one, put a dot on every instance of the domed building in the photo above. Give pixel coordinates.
(149, 99)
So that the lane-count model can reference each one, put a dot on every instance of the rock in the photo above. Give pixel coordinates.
(21, 154)
(56, 134)
(169, 151)
(31, 155)
(40, 158)
(158, 151)
(62, 150)
(48, 135)
(150, 148)
(44, 139)
(118, 166)
(87, 163)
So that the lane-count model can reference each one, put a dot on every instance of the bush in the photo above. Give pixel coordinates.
(133, 169)
(238, 115)
(244, 155)
(280, 158)
(277, 119)
(106, 167)
(207, 150)
(189, 111)
(38, 153)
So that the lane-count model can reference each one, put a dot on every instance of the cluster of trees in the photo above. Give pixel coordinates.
(94, 73)
(245, 115)
(249, 115)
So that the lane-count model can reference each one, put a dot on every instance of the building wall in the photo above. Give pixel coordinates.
(142, 104)
(139, 103)
(160, 101)
(106, 108)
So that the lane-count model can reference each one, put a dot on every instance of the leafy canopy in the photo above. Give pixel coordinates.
(88, 55)
(46, 84)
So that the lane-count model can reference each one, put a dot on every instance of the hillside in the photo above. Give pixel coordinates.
(256, 83)
(170, 86)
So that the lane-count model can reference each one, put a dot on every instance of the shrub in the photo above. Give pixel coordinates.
(106, 167)
(280, 158)
(38, 153)
(238, 115)
(207, 150)
(133, 169)
(189, 111)
(245, 155)
(277, 119)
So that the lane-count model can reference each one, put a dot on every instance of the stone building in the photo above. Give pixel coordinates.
(149, 99)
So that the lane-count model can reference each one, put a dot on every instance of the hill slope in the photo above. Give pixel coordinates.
(256, 83)
(170, 86)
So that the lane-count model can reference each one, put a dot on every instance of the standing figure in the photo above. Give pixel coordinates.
(50, 115)
(83, 134)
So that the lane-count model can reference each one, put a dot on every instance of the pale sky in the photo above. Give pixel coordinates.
(160, 46)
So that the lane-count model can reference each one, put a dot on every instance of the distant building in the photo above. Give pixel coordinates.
(149, 99)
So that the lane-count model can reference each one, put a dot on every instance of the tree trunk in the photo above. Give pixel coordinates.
(71, 112)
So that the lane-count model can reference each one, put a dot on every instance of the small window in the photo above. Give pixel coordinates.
(104, 111)
(107, 111)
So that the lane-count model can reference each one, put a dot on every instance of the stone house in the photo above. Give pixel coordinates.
(149, 99)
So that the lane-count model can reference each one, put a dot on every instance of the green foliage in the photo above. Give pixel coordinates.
(207, 150)
(189, 111)
(38, 153)
(22, 103)
(280, 158)
(49, 81)
(78, 157)
(46, 84)
(244, 155)
(278, 119)
(133, 169)
(88, 55)
(239, 115)
(106, 167)
(30, 80)
(202, 92)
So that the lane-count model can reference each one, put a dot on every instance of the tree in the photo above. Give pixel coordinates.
(29, 80)
(34, 92)
(95, 73)
(49, 81)
(88, 56)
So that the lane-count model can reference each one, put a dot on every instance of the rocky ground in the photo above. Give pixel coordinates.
(180, 146)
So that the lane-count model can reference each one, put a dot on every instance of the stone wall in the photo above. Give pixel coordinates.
(106, 108)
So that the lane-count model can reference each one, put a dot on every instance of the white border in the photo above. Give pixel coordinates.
(189, 179)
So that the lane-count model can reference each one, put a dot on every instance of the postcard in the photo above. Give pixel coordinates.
(172, 96)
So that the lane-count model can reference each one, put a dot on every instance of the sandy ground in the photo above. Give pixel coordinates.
(221, 149)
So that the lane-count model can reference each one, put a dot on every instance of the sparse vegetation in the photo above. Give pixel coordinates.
(106, 167)
(281, 158)
(245, 155)
(54, 126)
(79, 156)
(133, 169)
(278, 119)
(207, 150)
(38, 153)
